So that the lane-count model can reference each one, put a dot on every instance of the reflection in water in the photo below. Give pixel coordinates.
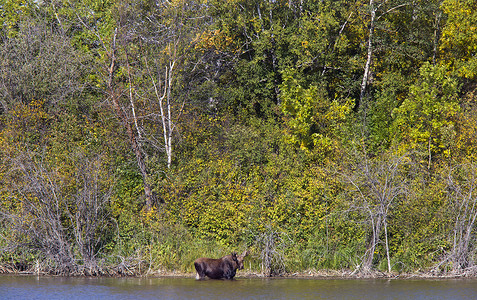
(32, 287)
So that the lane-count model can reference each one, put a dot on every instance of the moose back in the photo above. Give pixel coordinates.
(220, 268)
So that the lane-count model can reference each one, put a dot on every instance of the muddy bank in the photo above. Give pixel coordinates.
(15, 269)
(326, 274)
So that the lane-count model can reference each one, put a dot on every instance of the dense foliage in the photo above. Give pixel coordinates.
(136, 136)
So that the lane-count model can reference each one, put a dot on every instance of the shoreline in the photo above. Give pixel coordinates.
(308, 274)
(324, 274)
(251, 275)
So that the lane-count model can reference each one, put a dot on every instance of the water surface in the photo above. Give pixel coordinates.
(33, 287)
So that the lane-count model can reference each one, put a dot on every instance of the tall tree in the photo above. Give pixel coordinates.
(404, 39)
(461, 182)
(426, 120)
(39, 63)
(458, 43)
(375, 12)
(376, 185)
(98, 30)
(166, 41)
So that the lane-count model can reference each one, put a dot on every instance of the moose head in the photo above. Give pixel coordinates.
(239, 259)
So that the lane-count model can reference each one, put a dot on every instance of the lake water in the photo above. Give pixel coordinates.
(33, 287)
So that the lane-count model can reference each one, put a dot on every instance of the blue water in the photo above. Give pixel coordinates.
(33, 287)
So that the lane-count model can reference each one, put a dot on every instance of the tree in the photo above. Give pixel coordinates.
(458, 44)
(106, 38)
(376, 11)
(461, 182)
(375, 187)
(400, 36)
(167, 39)
(68, 230)
(56, 186)
(312, 120)
(11, 14)
(425, 121)
(39, 63)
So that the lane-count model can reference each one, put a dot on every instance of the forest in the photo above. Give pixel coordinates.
(139, 135)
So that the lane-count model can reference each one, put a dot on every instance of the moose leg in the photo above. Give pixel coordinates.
(200, 271)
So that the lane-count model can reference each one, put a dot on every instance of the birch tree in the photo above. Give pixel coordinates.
(165, 32)
(108, 38)
(376, 10)
(143, 53)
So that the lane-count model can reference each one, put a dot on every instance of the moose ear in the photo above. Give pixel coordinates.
(234, 254)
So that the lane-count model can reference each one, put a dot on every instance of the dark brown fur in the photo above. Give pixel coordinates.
(221, 268)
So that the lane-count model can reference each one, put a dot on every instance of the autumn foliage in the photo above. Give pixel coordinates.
(137, 136)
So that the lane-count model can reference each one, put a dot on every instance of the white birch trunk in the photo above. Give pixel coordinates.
(165, 109)
(168, 134)
(364, 83)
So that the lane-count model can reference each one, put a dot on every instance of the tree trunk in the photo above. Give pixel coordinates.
(165, 107)
(364, 83)
(168, 139)
(387, 245)
(376, 227)
(123, 118)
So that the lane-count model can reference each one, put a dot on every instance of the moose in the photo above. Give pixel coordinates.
(221, 268)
